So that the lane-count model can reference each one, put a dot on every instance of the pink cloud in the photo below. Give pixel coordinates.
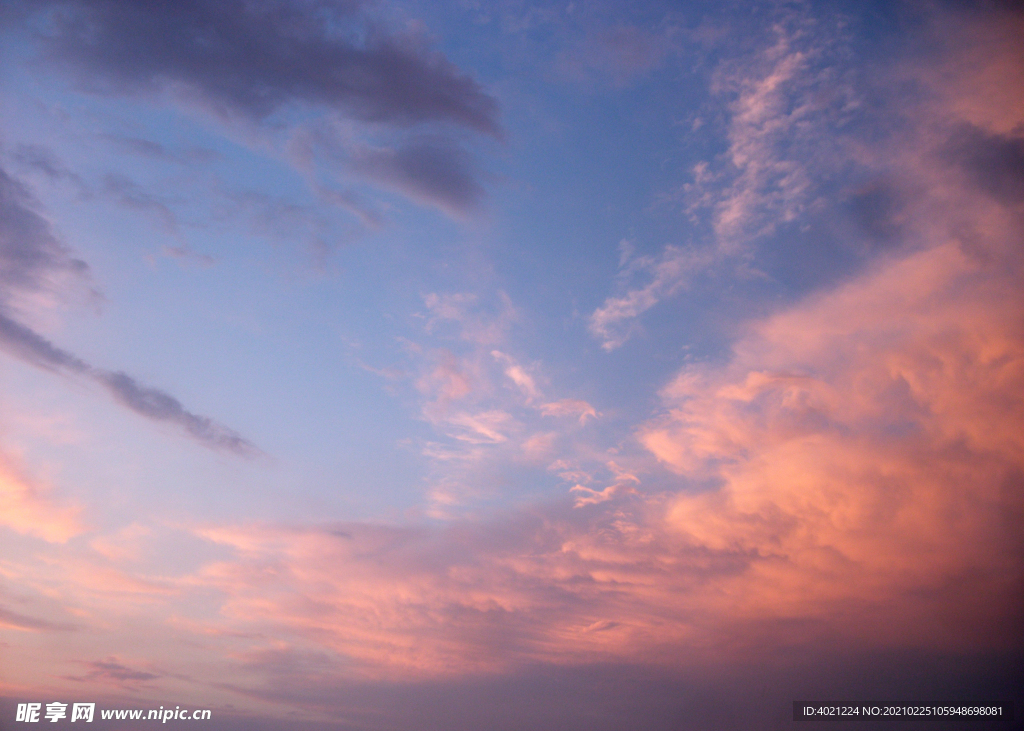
(864, 442)
(26, 508)
(849, 476)
(569, 407)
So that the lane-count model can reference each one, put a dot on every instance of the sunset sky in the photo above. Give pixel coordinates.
(508, 365)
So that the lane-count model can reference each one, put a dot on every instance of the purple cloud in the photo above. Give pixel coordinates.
(253, 58)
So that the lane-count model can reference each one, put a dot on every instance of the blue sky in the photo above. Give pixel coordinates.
(397, 350)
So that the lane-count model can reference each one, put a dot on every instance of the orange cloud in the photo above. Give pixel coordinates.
(868, 445)
(865, 455)
(850, 477)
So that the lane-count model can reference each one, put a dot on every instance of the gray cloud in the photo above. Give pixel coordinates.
(876, 209)
(110, 670)
(31, 256)
(251, 58)
(994, 161)
(24, 343)
(31, 347)
(29, 253)
(32, 624)
(430, 170)
(159, 406)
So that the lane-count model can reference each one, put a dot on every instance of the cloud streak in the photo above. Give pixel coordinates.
(615, 320)
(32, 260)
(154, 404)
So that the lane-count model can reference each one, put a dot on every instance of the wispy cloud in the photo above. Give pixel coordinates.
(33, 260)
(26, 507)
(497, 425)
(111, 671)
(570, 407)
(615, 321)
(784, 105)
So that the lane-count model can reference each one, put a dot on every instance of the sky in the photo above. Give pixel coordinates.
(500, 365)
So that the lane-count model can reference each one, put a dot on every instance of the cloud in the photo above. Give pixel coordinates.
(252, 59)
(13, 620)
(773, 108)
(625, 482)
(668, 273)
(379, 104)
(485, 427)
(157, 151)
(995, 162)
(26, 508)
(116, 187)
(131, 195)
(159, 406)
(479, 322)
(847, 443)
(569, 407)
(27, 345)
(434, 171)
(519, 375)
(32, 261)
(31, 257)
(33, 348)
(110, 671)
(42, 159)
(787, 107)
(429, 169)
(849, 477)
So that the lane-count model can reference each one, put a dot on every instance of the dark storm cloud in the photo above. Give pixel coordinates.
(251, 58)
(31, 256)
(994, 161)
(432, 170)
